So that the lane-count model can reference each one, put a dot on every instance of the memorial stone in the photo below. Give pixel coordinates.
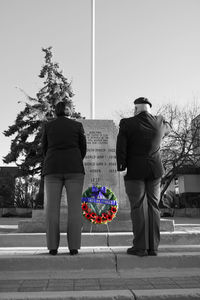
(100, 161)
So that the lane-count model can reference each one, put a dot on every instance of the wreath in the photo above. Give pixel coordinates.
(99, 205)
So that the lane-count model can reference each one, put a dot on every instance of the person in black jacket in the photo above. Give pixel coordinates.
(64, 148)
(138, 152)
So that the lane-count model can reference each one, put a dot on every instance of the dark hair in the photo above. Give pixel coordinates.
(60, 109)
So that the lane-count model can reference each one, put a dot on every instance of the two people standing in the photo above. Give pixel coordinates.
(138, 152)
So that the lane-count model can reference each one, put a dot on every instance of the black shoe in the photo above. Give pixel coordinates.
(152, 252)
(138, 252)
(53, 252)
(73, 252)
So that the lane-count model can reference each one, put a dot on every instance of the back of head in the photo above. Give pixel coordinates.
(142, 104)
(61, 109)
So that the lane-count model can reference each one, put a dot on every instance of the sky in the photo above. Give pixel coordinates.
(147, 48)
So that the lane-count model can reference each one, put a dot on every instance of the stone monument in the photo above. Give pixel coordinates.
(100, 161)
(101, 166)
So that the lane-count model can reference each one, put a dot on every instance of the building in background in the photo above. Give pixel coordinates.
(184, 190)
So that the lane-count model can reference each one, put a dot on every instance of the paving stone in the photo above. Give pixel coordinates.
(163, 280)
(10, 283)
(165, 286)
(110, 280)
(62, 282)
(31, 289)
(8, 289)
(188, 285)
(86, 288)
(86, 281)
(34, 283)
(59, 288)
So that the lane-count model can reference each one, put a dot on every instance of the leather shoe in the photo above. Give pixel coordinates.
(152, 252)
(138, 252)
(73, 251)
(53, 252)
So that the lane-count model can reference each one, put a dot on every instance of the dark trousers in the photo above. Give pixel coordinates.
(53, 185)
(144, 196)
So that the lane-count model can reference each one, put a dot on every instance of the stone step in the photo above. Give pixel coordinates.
(111, 259)
(123, 224)
(157, 294)
(100, 273)
(97, 239)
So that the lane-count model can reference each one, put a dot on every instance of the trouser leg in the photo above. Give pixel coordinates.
(74, 188)
(153, 197)
(53, 185)
(135, 190)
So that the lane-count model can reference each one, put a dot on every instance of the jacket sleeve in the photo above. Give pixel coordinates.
(82, 142)
(44, 140)
(121, 147)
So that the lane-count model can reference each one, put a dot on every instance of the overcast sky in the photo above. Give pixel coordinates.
(145, 48)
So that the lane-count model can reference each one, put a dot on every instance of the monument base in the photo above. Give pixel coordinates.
(121, 223)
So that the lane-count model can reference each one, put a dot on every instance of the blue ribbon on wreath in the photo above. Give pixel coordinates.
(99, 200)
(98, 191)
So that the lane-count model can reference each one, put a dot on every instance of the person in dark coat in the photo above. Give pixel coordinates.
(64, 148)
(138, 152)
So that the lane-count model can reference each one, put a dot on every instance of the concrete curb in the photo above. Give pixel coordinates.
(162, 294)
(112, 260)
(59, 262)
(97, 239)
(166, 238)
(77, 295)
(163, 260)
(121, 223)
(95, 273)
(175, 294)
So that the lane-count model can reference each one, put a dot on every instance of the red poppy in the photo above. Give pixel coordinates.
(104, 216)
(84, 206)
(93, 215)
(113, 209)
(98, 219)
(110, 217)
(88, 216)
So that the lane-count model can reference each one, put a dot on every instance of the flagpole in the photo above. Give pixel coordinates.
(92, 108)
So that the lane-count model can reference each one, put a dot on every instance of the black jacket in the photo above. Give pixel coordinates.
(64, 146)
(138, 146)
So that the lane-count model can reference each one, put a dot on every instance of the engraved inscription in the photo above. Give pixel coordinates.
(96, 137)
(100, 161)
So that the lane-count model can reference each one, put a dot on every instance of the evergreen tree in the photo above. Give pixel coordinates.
(25, 149)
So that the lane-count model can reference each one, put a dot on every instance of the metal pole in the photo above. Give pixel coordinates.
(92, 109)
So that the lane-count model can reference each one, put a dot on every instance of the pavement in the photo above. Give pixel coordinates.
(103, 286)
(99, 273)
(103, 271)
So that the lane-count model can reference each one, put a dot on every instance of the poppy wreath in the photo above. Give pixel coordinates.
(99, 205)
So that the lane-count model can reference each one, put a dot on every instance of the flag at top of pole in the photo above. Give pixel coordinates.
(92, 106)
